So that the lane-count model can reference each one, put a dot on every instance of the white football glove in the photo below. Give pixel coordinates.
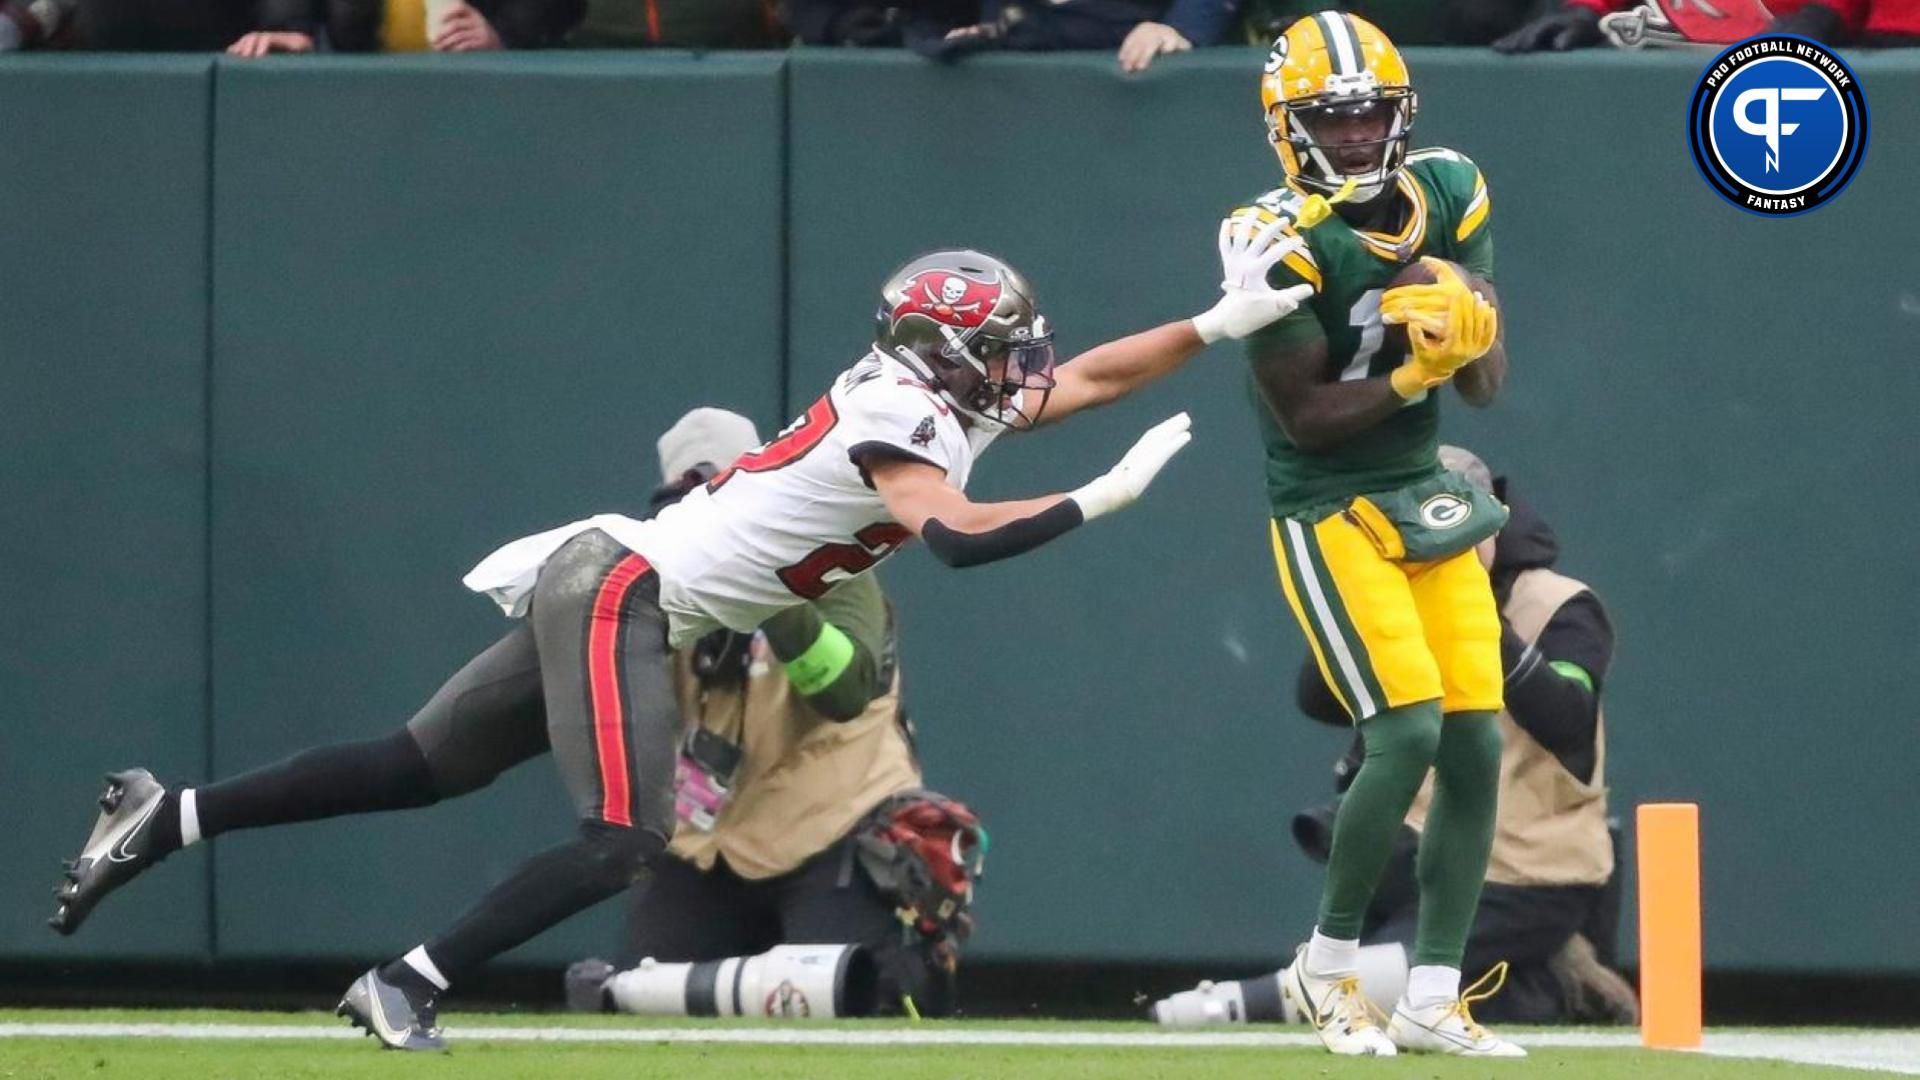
(1123, 483)
(1249, 302)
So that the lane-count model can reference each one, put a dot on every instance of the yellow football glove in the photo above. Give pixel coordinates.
(1448, 327)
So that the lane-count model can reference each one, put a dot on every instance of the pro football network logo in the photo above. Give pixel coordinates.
(1778, 124)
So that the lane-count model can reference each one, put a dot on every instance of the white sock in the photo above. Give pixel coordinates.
(189, 818)
(1383, 972)
(1430, 984)
(1331, 956)
(419, 961)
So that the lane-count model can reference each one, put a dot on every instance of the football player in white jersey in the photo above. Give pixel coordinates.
(961, 354)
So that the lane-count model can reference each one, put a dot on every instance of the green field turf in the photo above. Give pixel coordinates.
(482, 1057)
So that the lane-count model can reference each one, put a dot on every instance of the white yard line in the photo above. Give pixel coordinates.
(1891, 1051)
(1883, 1051)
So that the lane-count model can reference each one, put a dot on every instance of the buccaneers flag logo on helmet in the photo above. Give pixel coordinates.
(948, 298)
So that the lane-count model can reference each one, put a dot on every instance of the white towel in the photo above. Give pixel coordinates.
(508, 575)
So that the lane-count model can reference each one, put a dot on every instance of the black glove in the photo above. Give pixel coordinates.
(1557, 30)
(1817, 21)
(930, 39)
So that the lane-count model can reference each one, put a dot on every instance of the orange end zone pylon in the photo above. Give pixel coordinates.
(1669, 854)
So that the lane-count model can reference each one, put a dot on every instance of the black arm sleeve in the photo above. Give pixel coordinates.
(1561, 712)
(1315, 697)
(958, 549)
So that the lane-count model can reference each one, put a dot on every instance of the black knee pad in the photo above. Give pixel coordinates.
(619, 854)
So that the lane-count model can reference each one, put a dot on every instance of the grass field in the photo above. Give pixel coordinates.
(167, 1044)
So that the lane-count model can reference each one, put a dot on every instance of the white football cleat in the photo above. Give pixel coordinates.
(1448, 1028)
(1336, 1008)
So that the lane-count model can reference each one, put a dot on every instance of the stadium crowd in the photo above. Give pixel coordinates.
(1135, 31)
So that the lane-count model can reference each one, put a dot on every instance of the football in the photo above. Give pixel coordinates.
(1414, 273)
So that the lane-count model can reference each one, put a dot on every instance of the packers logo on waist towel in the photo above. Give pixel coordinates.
(1444, 511)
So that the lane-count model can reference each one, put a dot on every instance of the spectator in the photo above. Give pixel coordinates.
(1138, 30)
(1551, 905)
(877, 23)
(1409, 22)
(680, 24)
(33, 24)
(785, 786)
(156, 25)
(300, 26)
(1574, 24)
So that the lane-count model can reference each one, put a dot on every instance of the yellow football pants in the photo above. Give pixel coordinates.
(1386, 633)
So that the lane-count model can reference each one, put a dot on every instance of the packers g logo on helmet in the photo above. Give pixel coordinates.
(1329, 65)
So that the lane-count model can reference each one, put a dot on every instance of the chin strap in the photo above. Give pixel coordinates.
(1319, 207)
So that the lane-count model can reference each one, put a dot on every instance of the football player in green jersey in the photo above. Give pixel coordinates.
(1373, 539)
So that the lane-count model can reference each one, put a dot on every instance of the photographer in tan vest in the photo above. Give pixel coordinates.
(1550, 907)
(801, 817)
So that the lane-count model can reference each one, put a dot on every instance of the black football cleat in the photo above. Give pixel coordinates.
(587, 986)
(400, 1020)
(120, 847)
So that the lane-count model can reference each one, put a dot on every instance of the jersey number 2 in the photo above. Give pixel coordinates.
(787, 447)
(807, 579)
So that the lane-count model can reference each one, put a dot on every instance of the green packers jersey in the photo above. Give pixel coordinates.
(1446, 215)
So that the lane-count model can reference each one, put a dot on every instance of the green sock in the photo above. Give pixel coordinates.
(1459, 835)
(1401, 744)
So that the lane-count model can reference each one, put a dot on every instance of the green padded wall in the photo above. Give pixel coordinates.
(455, 303)
(1712, 408)
(103, 344)
(1117, 706)
(1700, 399)
(453, 300)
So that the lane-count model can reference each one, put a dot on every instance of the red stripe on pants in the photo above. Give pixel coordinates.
(603, 675)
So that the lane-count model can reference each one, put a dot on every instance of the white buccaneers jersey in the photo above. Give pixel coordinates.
(782, 524)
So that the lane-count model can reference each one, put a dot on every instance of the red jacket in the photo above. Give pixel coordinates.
(1861, 16)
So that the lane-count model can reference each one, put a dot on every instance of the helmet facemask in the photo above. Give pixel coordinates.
(966, 324)
(994, 379)
(1312, 154)
(1299, 129)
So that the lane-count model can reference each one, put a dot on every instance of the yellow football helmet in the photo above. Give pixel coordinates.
(1329, 69)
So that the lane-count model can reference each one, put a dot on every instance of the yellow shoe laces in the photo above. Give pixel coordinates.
(1497, 975)
(1357, 1010)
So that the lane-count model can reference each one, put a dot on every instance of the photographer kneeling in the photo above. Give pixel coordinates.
(801, 817)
